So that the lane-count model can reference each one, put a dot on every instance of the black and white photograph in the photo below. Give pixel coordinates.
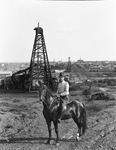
(57, 75)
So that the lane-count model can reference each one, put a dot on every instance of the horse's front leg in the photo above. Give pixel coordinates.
(56, 130)
(49, 130)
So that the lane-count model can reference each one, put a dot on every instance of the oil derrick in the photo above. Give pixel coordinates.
(39, 65)
(68, 69)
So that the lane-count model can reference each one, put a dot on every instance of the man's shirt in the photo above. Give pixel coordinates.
(63, 88)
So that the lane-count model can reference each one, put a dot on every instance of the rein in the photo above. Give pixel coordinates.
(47, 90)
(53, 95)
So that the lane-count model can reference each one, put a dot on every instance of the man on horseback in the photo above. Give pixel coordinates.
(63, 88)
(63, 93)
(56, 108)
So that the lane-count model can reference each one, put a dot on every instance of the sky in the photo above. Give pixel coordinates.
(75, 29)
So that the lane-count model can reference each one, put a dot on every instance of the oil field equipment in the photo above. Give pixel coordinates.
(39, 68)
(68, 69)
(39, 65)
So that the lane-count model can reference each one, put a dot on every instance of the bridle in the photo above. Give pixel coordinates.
(43, 94)
(45, 90)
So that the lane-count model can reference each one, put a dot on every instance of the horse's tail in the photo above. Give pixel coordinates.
(84, 120)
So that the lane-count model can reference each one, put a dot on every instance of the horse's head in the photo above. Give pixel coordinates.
(45, 95)
(42, 93)
(41, 89)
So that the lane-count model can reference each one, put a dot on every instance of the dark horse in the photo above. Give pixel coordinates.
(54, 106)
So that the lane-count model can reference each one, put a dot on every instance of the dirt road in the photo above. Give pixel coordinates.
(23, 127)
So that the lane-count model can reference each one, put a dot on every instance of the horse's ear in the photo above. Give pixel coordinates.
(41, 82)
(44, 86)
(37, 84)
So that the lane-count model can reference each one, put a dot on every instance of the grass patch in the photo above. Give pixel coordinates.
(96, 107)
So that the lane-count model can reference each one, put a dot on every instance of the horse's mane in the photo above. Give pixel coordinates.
(55, 100)
(48, 90)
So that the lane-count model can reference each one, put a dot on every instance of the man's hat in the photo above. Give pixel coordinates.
(61, 74)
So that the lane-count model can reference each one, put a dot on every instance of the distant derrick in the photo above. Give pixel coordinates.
(68, 69)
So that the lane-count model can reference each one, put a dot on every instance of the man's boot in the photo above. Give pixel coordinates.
(59, 120)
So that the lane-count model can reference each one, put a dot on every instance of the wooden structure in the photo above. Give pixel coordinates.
(68, 69)
(39, 68)
(39, 65)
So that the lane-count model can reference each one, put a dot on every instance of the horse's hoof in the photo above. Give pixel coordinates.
(7, 139)
(47, 142)
(78, 139)
(57, 143)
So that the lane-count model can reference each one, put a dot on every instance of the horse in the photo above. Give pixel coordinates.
(54, 106)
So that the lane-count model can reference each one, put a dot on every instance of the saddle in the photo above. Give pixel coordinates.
(62, 108)
(63, 103)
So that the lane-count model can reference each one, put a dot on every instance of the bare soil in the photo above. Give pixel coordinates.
(23, 127)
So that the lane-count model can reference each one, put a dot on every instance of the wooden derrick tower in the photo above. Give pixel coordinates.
(68, 69)
(39, 65)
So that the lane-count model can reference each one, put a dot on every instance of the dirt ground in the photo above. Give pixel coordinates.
(23, 127)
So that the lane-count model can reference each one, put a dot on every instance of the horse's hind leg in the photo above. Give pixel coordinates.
(56, 130)
(79, 125)
(49, 130)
